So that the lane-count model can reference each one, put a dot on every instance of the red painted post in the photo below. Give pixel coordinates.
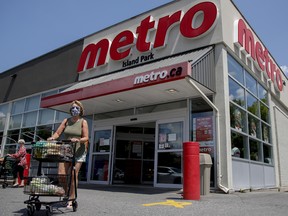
(191, 171)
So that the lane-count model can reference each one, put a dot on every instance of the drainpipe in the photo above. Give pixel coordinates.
(219, 172)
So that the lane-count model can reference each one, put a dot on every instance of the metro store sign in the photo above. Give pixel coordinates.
(122, 46)
(257, 53)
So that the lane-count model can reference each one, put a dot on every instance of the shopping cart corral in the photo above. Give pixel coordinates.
(44, 183)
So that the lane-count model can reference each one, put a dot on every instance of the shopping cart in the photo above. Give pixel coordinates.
(44, 180)
(6, 170)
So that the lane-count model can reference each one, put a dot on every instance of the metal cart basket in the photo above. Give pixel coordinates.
(6, 170)
(44, 180)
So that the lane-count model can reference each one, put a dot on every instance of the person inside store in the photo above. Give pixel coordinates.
(74, 129)
(21, 163)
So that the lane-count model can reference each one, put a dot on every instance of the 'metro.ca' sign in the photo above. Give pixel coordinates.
(122, 46)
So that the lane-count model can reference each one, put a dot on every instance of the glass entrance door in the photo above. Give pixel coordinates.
(100, 155)
(134, 154)
(168, 162)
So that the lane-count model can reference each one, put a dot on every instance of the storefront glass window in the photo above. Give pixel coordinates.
(202, 130)
(43, 132)
(254, 127)
(267, 154)
(28, 134)
(264, 112)
(61, 115)
(236, 93)
(46, 94)
(238, 145)
(18, 107)
(251, 83)
(102, 141)
(29, 119)
(252, 104)
(170, 135)
(169, 169)
(3, 113)
(100, 167)
(254, 150)
(235, 69)
(46, 116)
(32, 103)
(15, 121)
(250, 128)
(263, 96)
(9, 149)
(12, 136)
(265, 133)
(237, 118)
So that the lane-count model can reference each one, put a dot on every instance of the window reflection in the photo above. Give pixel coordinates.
(100, 165)
(267, 154)
(15, 121)
(265, 133)
(236, 93)
(263, 95)
(249, 119)
(29, 119)
(169, 169)
(43, 132)
(264, 112)
(170, 135)
(238, 145)
(251, 83)
(252, 104)
(102, 141)
(32, 103)
(254, 150)
(235, 69)
(28, 134)
(237, 118)
(254, 127)
(18, 106)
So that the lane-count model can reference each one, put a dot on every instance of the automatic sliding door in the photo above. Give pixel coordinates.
(101, 155)
(169, 153)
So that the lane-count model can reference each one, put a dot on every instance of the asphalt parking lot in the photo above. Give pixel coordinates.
(104, 200)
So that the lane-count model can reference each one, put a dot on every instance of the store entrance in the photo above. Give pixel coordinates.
(134, 154)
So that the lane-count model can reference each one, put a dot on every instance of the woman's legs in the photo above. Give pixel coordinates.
(72, 186)
(15, 175)
(18, 169)
(21, 171)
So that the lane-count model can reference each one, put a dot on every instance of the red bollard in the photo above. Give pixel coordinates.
(191, 171)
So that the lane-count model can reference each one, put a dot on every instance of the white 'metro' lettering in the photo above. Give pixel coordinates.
(150, 77)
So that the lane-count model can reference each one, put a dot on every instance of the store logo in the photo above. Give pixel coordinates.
(120, 48)
(159, 75)
(254, 51)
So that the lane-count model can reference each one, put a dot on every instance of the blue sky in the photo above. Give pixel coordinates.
(32, 28)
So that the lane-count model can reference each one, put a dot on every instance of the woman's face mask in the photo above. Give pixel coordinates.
(75, 111)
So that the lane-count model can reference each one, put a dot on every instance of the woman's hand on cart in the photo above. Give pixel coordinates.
(75, 140)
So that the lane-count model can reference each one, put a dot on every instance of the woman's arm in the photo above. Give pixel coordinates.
(19, 154)
(59, 131)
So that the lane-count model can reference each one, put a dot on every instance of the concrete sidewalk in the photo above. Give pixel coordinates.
(106, 200)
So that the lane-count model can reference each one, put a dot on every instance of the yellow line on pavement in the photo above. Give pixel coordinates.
(170, 203)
